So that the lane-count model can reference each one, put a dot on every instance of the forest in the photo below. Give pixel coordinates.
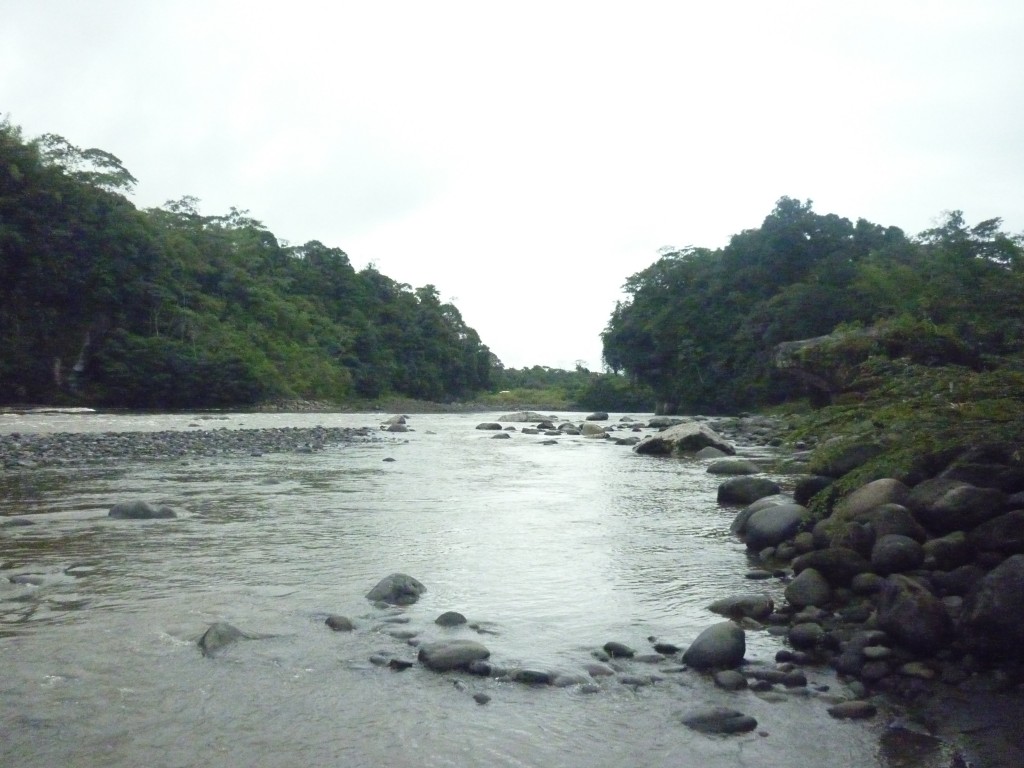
(796, 308)
(105, 304)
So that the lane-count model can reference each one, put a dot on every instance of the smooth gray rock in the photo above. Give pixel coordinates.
(757, 607)
(719, 720)
(1003, 534)
(992, 617)
(837, 564)
(962, 508)
(489, 425)
(734, 467)
(808, 588)
(339, 623)
(720, 646)
(140, 510)
(771, 526)
(396, 589)
(446, 655)
(896, 554)
(853, 710)
(912, 615)
(219, 635)
(871, 495)
(746, 490)
(450, 619)
(682, 438)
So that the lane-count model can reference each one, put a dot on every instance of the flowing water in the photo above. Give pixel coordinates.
(550, 550)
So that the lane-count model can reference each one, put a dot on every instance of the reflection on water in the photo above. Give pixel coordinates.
(554, 550)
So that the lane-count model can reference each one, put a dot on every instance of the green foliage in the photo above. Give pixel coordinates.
(920, 415)
(170, 308)
(702, 328)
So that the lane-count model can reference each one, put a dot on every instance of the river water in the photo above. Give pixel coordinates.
(550, 550)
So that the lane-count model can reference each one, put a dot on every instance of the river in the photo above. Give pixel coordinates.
(550, 550)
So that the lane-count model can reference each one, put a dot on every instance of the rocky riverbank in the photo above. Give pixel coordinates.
(30, 450)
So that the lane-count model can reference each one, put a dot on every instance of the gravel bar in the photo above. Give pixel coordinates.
(27, 451)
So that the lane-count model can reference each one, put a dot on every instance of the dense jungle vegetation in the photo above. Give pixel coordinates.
(706, 330)
(102, 303)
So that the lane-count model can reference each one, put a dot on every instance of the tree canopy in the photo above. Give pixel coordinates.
(702, 327)
(103, 303)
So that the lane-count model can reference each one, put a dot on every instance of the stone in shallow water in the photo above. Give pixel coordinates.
(719, 720)
(853, 710)
(339, 623)
(396, 589)
(447, 655)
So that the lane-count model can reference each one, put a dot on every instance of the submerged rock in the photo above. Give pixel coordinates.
(140, 510)
(720, 646)
(218, 635)
(719, 720)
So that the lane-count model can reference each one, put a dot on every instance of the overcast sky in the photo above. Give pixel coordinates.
(527, 157)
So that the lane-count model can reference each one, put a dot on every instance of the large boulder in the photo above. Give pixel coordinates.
(739, 523)
(894, 553)
(775, 524)
(720, 646)
(808, 588)
(871, 495)
(962, 508)
(746, 490)
(687, 437)
(1003, 534)
(446, 655)
(992, 619)
(396, 589)
(140, 510)
(912, 615)
(893, 518)
(591, 429)
(598, 416)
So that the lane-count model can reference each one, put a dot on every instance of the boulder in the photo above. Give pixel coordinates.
(339, 623)
(140, 510)
(734, 467)
(219, 635)
(962, 508)
(893, 518)
(837, 564)
(598, 416)
(758, 607)
(1003, 534)
(992, 617)
(720, 646)
(948, 552)
(719, 720)
(590, 429)
(446, 655)
(773, 525)
(869, 496)
(450, 619)
(687, 437)
(745, 490)
(808, 588)
(396, 589)
(739, 523)
(912, 615)
(663, 422)
(894, 553)
(489, 425)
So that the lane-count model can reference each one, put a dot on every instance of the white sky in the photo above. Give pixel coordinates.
(527, 157)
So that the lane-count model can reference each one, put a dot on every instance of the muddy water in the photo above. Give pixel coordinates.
(551, 550)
